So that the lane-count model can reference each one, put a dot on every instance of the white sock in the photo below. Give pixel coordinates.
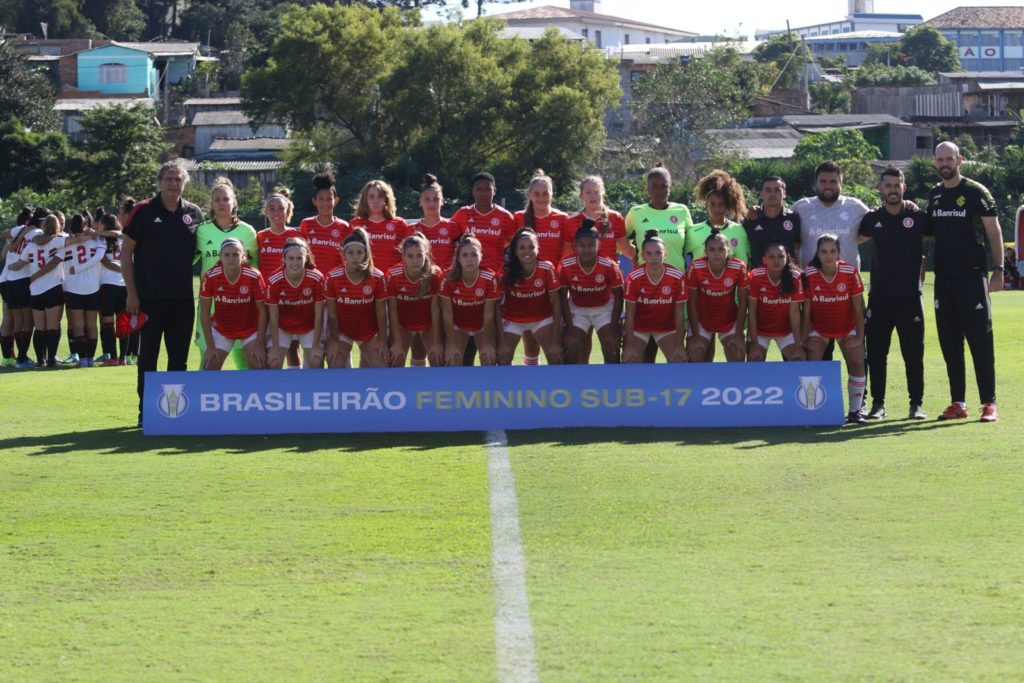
(855, 391)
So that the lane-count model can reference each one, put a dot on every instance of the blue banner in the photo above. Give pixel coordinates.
(474, 399)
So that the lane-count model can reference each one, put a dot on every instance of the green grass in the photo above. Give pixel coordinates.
(885, 552)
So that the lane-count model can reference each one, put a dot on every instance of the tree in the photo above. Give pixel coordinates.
(788, 54)
(927, 49)
(828, 97)
(677, 105)
(848, 147)
(27, 94)
(118, 19)
(29, 159)
(879, 74)
(64, 18)
(120, 156)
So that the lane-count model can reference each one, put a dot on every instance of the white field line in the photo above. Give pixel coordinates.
(513, 631)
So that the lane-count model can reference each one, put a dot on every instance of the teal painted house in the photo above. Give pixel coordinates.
(117, 70)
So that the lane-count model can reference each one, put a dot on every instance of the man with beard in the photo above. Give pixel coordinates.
(963, 216)
(895, 230)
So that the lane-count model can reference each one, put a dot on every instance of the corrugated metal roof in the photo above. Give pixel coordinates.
(547, 12)
(536, 32)
(655, 52)
(1002, 85)
(960, 75)
(220, 118)
(759, 143)
(855, 35)
(191, 165)
(212, 101)
(841, 120)
(160, 49)
(85, 104)
(249, 144)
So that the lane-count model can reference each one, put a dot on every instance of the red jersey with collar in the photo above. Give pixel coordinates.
(442, 238)
(235, 304)
(413, 309)
(772, 304)
(607, 246)
(271, 248)
(494, 229)
(385, 240)
(528, 301)
(550, 230)
(355, 302)
(325, 241)
(831, 301)
(593, 289)
(655, 301)
(716, 296)
(468, 301)
(296, 304)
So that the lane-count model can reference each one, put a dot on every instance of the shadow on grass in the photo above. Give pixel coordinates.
(746, 438)
(125, 441)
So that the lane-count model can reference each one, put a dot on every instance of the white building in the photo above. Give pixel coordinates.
(583, 18)
(861, 17)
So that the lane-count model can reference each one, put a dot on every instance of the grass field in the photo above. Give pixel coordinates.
(891, 551)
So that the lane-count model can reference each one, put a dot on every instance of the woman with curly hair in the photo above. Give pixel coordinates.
(722, 196)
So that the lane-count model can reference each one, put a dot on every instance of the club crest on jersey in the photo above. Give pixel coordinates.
(307, 291)
(735, 242)
(172, 402)
(841, 287)
(186, 219)
(495, 222)
(674, 219)
(599, 278)
(666, 290)
(960, 201)
(786, 225)
(554, 224)
(908, 222)
(728, 282)
(243, 290)
(538, 282)
(479, 291)
(810, 395)
(443, 232)
(390, 227)
(367, 289)
(335, 233)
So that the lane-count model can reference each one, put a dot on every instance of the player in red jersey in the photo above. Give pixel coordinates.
(717, 302)
(835, 310)
(278, 209)
(439, 231)
(295, 307)
(231, 299)
(356, 300)
(610, 224)
(655, 297)
(469, 296)
(774, 295)
(375, 212)
(413, 306)
(531, 304)
(325, 232)
(591, 298)
(490, 223)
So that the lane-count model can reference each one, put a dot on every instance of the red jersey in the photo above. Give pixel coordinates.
(468, 301)
(494, 229)
(607, 246)
(528, 301)
(655, 301)
(236, 311)
(550, 231)
(325, 241)
(296, 305)
(772, 305)
(413, 309)
(716, 296)
(593, 289)
(442, 241)
(385, 240)
(271, 248)
(831, 301)
(356, 302)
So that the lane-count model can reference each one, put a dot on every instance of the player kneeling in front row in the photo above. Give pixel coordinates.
(469, 298)
(532, 304)
(236, 293)
(655, 296)
(835, 310)
(295, 307)
(591, 298)
(356, 299)
(716, 282)
(415, 311)
(774, 296)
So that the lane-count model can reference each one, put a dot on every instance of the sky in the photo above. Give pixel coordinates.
(743, 17)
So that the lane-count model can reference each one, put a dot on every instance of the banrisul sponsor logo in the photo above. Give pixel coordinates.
(173, 402)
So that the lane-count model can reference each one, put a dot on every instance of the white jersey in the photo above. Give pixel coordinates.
(842, 219)
(84, 259)
(37, 256)
(14, 256)
(108, 276)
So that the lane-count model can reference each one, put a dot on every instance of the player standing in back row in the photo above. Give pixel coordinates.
(963, 216)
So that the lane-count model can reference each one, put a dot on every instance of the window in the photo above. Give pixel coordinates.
(627, 39)
(113, 73)
(597, 39)
(585, 33)
(648, 40)
(923, 142)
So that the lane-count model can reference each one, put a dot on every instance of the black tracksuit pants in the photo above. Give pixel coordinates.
(906, 316)
(170, 321)
(963, 310)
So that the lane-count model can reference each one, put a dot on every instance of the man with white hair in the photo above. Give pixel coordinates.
(963, 217)
(156, 261)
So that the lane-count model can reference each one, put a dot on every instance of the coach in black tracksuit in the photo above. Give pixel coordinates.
(156, 261)
(895, 230)
(963, 218)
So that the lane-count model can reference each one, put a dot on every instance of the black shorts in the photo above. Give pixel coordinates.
(113, 300)
(18, 293)
(83, 302)
(49, 299)
(3, 291)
